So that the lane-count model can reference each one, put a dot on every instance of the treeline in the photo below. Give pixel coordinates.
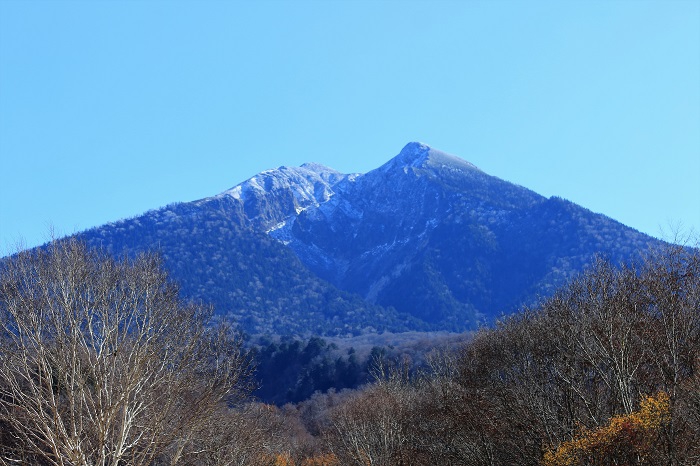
(605, 372)
(290, 370)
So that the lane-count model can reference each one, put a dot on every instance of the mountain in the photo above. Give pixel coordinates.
(427, 241)
(248, 277)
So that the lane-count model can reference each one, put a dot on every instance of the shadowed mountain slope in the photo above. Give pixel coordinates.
(426, 241)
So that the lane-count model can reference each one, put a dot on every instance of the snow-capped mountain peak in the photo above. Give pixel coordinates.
(422, 156)
(427, 235)
(310, 182)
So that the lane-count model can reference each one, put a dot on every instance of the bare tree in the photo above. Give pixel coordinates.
(249, 435)
(590, 354)
(373, 427)
(101, 363)
(671, 280)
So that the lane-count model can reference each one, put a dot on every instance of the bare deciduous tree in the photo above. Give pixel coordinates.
(101, 363)
(591, 353)
(372, 427)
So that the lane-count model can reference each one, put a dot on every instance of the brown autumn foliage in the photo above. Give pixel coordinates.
(580, 366)
(606, 371)
(628, 438)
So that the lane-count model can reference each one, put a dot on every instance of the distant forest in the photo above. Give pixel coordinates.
(103, 363)
(291, 370)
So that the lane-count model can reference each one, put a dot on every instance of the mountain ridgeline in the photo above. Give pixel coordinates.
(427, 241)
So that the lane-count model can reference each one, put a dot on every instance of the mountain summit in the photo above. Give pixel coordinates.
(419, 155)
(425, 241)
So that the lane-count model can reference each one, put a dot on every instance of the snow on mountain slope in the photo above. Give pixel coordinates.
(427, 240)
(420, 155)
(274, 197)
(425, 221)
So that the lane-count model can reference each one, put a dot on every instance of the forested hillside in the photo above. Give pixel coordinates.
(103, 362)
(425, 242)
(606, 371)
(255, 328)
(248, 277)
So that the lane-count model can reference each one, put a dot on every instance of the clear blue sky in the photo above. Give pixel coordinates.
(111, 108)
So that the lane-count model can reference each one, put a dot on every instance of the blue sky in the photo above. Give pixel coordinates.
(111, 108)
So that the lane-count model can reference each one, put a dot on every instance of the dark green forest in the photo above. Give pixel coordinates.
(290, 370)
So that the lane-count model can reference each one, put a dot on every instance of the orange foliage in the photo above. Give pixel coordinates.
(632, 434)
(329, 459)
(283, 459)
